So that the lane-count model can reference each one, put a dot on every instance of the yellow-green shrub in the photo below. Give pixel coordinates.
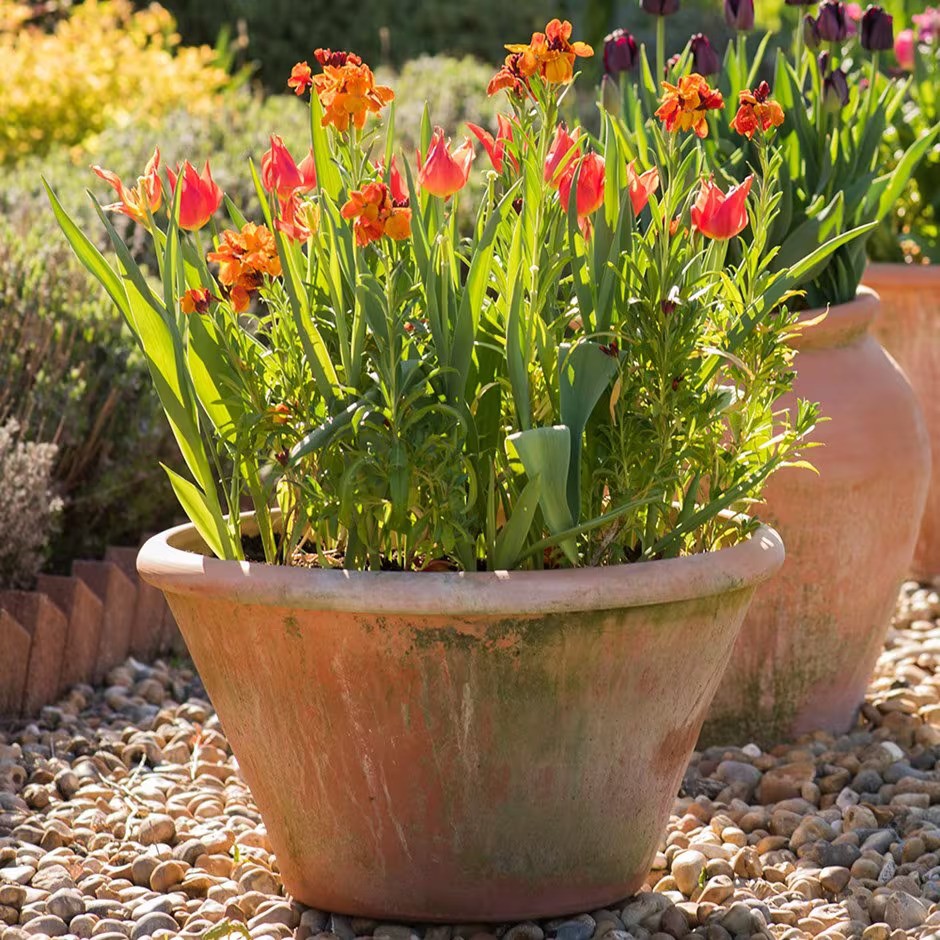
(102, 64)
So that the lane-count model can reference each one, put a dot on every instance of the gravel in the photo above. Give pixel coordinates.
(123, 817)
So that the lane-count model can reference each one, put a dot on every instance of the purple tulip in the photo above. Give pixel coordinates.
(739, 14)
(660, 7)
(877, 30)
(835, 90)
(705, 60)
(832, 21)
(811, 32)
(620, 53)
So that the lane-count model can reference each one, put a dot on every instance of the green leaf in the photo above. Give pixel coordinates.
(328, 179)
(546, 453)
(512, 536)
(203, 513)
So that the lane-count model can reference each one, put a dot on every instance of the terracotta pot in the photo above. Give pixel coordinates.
(811, 637)
(908, 326)
(461, 747)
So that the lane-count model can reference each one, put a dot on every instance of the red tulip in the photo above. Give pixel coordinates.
(148, 193)
(200, 196)
(590, 196)
(443, 173)
(496, 146)
(641, 186)
(721, 215)
(396, 184)
(557, 160)
(281, 175)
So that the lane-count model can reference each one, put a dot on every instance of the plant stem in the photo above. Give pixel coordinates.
(660, 48)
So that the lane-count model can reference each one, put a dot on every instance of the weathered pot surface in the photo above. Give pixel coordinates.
(908, 326)
(812, 635)
(461, 747)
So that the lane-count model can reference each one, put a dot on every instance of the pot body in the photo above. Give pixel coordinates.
(908, 326)
(461, 747)
(811, 638)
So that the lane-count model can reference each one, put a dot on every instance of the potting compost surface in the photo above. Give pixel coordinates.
(123, 816)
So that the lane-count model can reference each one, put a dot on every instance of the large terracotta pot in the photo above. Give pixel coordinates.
(811, 637)
(462, 747)
(908, 326)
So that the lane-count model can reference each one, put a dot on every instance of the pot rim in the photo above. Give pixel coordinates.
(900, 276)
(842, 323)
(165, 562)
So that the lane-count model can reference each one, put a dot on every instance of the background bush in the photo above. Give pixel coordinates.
(28, 505)
(101, 64)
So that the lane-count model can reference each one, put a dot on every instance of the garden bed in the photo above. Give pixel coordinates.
(123, 815)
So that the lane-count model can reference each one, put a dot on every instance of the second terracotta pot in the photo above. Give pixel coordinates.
(811, 637)
(908, 326)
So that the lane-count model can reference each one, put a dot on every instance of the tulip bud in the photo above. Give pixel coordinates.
(611, 99)
(811, 32)
(739, 14)
(660, 7)
(832, 21)
(877, 30)
(705, 60)
(835, 91)
(620, 53)
(904, 49)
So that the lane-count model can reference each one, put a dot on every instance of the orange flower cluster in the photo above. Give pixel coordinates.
(550, 55)
(685, 107)
(196, 300)
(376, 214)
(347, 90)
(757, 111)
(244, 259)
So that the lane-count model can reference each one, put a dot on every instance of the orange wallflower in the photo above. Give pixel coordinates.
(641, 186)
(442, 173)
(400, 196)
(196, 300)
(757, 111)
(336, 59)
(244, 259)
(301, 78)
(496, 146)
(509, 77)
(550, 54)
(200, 198)
(721, 215)
(147, 193)
(376, 214)
(685, 106)
(348, 94)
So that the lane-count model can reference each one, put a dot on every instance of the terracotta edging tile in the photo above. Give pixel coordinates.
(119, 596)
(147, 628)
(14, 659)
(48, 628)
(84, 611)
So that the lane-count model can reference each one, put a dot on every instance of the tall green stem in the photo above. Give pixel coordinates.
(660, 50)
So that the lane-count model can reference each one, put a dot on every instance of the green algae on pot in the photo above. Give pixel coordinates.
(454, 746)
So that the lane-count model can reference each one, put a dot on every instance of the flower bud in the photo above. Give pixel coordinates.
(832, 21)
(705, 60)
(611, 99)
(739, 14)
(811, 32)
(835, 91)
(660, 7)
(904, 49)
(620, 53)
(877, 30)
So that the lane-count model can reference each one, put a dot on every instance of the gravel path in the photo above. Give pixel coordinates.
(122, 815)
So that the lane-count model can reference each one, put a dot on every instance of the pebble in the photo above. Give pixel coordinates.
(123, 816)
